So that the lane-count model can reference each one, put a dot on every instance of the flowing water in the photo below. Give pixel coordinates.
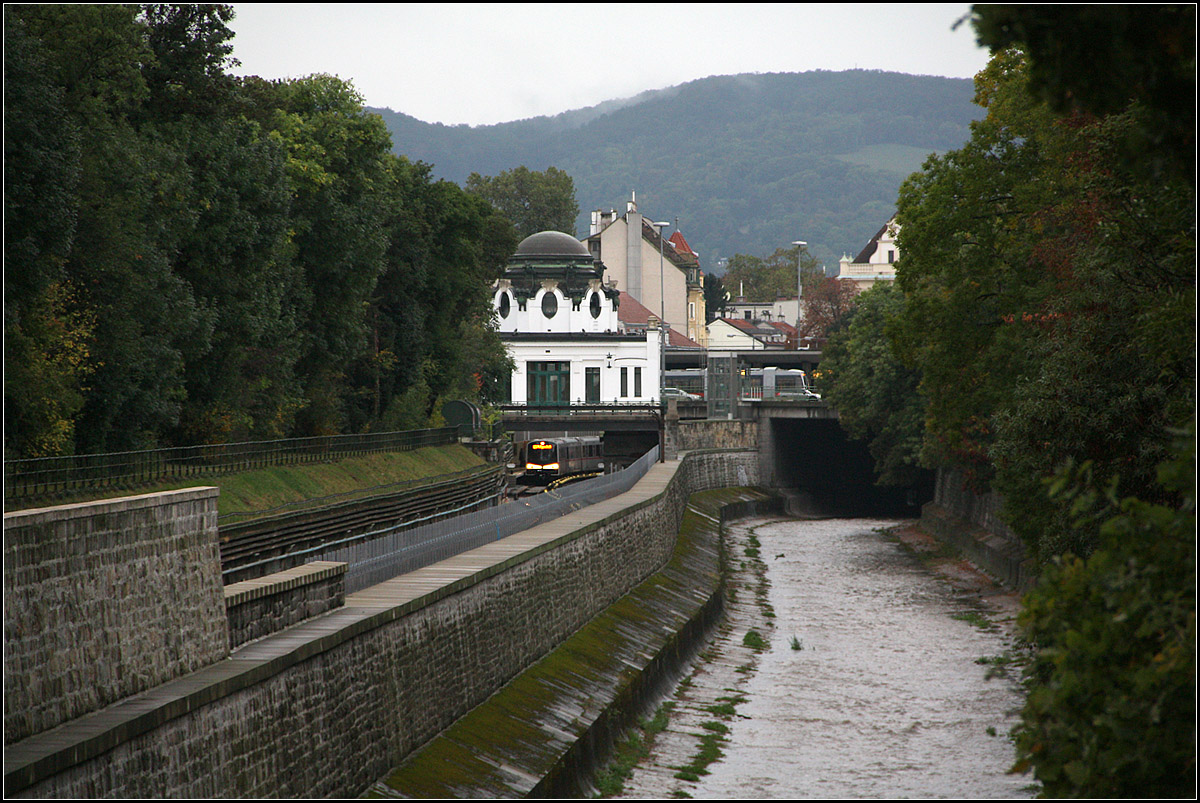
(874, 683)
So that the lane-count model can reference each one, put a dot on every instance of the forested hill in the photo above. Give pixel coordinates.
(748, 162)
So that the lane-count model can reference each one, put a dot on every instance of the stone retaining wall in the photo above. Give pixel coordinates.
(266, 605)
(340, 712)
(543, 734)
(103, 600)
(685, 436)
(971, 522)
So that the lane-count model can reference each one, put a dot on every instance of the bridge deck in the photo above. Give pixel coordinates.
(46, 754)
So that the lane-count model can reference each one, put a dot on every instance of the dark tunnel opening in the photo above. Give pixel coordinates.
(836, 475)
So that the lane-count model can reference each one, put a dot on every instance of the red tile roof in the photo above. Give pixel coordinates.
(633, 312)
(679, 340)
(680, 244)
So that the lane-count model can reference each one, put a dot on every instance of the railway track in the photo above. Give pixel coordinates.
(261, 546)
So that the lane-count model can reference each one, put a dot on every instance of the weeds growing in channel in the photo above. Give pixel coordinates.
(754, 640)
(632, 750)
(975, 618)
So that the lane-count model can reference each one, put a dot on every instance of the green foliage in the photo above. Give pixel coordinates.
(754, 640)
(771, 277)
(878, 399)
(1048, 269)
(533, 201)
(1148, 53)
(193, 258)
(1049, 291)
(1111, 712)
(714, 298)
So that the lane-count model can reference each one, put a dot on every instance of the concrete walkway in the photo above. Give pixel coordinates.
(52, 752)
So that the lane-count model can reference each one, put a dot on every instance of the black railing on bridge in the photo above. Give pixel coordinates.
(48, 478)
(583, 408)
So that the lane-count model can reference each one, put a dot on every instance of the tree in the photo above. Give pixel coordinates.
(338, 179)
(1111, 713)
(715, 297)
(824, 306)
(45, 334)
(774, 276)
(1049, 279)
(1148, 53)
(970, 223)
(533, 201)
(878, 399)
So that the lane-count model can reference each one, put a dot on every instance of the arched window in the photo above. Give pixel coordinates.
(549, 304)
(505, 304)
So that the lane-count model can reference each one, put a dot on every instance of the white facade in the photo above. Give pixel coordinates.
(781, 309)
(724, 336)
(596, 312)
(625, 366)
(559, 324)
(876, 262)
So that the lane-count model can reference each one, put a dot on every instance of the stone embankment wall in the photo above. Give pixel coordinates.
(545, 732)
(336, 714)
(269, 604)
(103, 600)
(684, 436)
(972, 522)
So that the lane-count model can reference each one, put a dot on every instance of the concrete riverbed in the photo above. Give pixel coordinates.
(879, 675)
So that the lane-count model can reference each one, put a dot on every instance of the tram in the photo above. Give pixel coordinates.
(552, 458)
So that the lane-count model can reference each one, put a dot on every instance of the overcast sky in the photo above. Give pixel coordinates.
(479, 63)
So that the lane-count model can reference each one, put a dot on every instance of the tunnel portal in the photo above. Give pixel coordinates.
(834, 474)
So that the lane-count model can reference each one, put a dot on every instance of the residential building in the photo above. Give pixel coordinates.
(739, 334)
(781, 309)
(876, 262)
(663, 277)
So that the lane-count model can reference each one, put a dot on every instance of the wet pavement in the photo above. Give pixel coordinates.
(874, 681)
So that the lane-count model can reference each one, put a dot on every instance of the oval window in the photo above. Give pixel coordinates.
(505, 305)
(594, 307)
(549, 305)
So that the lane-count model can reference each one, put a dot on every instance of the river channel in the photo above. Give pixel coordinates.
(885, 674)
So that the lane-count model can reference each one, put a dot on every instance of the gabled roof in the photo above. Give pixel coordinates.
(681, 246)
(869, 251)
(681, 261)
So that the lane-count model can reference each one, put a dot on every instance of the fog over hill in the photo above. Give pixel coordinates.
(748, 163)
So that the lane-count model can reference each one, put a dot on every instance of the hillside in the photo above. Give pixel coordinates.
(748, 163)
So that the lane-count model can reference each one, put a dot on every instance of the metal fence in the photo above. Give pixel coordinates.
(379, 556)
(51, 477)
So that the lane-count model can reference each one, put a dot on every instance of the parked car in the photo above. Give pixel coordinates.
(676, 393)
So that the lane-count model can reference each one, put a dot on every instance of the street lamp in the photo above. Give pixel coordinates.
(799, 287)
(662, 310)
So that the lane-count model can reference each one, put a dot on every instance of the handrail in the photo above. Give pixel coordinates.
(51, 477)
